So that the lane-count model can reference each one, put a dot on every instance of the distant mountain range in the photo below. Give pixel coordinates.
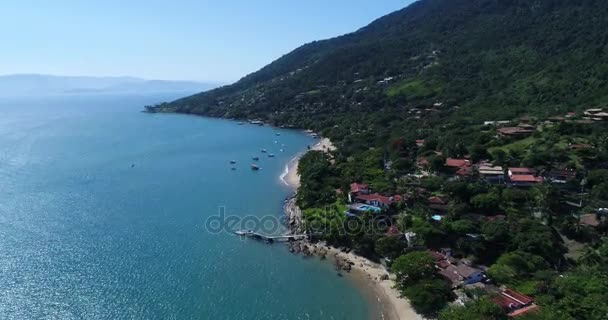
(38, 84)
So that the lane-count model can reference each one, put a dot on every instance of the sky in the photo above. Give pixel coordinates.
(202, 40)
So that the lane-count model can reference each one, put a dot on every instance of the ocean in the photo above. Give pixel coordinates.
(105, 214)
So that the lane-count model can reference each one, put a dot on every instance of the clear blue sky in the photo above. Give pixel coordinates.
(207, 40)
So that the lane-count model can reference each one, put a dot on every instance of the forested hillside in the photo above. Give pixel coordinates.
(491, 58)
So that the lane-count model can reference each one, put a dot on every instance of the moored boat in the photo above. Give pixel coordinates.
(256, 158)
(271, 155)
(263, 151)
(255, 167)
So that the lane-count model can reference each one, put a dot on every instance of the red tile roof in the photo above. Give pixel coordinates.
(437, 256)
(456, 163)
(524, 310)
(393, 232)
(358, 187)
(516, 170)
(514, 295)
(443, 264)
(526, 178)
(436, 200)
(375, 197)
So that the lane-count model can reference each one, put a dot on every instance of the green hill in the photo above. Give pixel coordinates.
(461, 60)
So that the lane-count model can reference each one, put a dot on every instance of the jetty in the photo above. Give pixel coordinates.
(258, 236)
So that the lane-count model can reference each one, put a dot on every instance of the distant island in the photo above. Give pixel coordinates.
(39, 84)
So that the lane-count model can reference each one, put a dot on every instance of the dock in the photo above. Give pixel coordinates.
(258, 236)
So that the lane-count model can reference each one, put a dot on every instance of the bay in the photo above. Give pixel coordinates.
(103, 214)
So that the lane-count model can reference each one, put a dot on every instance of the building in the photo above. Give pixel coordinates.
(513, 171)
(461, 167)
(458, 274)
(437, 204)
(514, 303)
(515, 131)
(491, 174)
(375, 199)
(419, 143)
(561, 175)
(524, 180)
(357, 188)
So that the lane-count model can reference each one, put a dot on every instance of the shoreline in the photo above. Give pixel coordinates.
(290, 175)
(372, 279)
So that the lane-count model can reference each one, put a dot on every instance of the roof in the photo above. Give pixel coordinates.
(490, 170)
(419, 143)
(513, 130)
(521, 170)
(526, 178)
(443, 264)
(524, 310)
(436, 200)
(464, 171)
(562, 173)
(393, 232)
(465, 270)
(375, 197)
(514, 295)
(451, 274)
(590, 220)
(358, 187)
(437, 256)
(456, 163)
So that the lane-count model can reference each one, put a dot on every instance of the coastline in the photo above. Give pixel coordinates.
(371, 278)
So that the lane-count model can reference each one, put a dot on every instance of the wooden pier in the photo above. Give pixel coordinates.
(258, 236)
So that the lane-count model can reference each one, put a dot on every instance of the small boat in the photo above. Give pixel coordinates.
(243, 232)
(232, 161)
(277, 134)
(282, 150)
(271, 155)
(241, 123)
(255, 167)
(283, 145)
(263, 150)
(233, 168)
(256, 158)
(276, 141)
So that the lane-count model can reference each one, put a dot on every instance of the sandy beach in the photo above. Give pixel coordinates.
(368, 276)
(291, 177)
(386, 301)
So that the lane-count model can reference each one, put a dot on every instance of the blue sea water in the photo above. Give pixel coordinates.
(103, 210)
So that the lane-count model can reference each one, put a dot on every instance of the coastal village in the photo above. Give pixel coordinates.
(425, 191)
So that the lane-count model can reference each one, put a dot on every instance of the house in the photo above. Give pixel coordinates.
(524, 180)
(514, 171)
(356, 188)
(590, 220)
(461, 167)
(561, 175)
(437, 204)
(514, 303)
(419, 143)
(491, 174)
(514, 132)
(456, 163)
(523, 177)
(459, 274)
(394, 232)
(375, 199)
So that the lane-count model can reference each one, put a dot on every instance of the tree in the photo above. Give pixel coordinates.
(514, 266)
(389, 247)
(428, 296)
(413, 267)
(480, 309)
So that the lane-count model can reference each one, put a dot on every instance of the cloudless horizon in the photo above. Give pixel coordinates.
(200, 40)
